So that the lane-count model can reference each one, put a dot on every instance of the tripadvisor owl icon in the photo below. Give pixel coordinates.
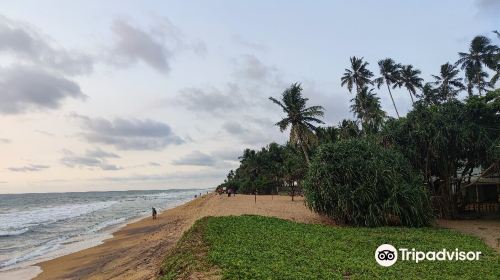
(386, 255)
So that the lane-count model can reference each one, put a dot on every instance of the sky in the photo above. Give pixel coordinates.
(120, 95)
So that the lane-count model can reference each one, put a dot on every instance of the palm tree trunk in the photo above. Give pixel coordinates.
(362, 108)
(393, 103)
(478, 78)
(304, 150)
(411, 96)
(305, 153)
(470, 87)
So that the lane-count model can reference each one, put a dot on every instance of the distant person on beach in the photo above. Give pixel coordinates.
(154, 213)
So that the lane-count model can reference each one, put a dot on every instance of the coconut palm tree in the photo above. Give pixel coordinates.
(409, 78)
(496, 76)
(348, 129)
(471, 80)
(358, 75)
(429, 94)
(299, 117)
(366, 106)
(481, 52)
(448, 84)
(389, 75)
(495, 64)
(329, 134)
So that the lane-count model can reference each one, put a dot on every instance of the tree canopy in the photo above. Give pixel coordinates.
(427, 156)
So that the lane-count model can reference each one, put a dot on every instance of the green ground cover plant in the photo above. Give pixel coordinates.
(255, 247)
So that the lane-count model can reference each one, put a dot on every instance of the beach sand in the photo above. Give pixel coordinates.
(487, 230)
(137, 250)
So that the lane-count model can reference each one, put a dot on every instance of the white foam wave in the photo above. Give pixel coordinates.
(13, 232)
(40, 251)
(24, 220)
(106, 224)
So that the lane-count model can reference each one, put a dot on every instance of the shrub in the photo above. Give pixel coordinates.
(358, 182)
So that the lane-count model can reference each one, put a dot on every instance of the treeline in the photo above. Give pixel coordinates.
(442, 139)
(271, 170)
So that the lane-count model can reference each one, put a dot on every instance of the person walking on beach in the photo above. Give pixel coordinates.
(154, 213)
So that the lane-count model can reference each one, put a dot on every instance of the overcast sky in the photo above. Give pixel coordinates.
(116, 95)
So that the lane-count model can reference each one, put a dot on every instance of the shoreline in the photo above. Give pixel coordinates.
(136, 251)
(31, 269)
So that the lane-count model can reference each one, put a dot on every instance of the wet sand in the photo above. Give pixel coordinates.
(137, 250)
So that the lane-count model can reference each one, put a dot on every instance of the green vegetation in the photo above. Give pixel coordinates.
(445, 136)
(361, 183)
(267, 170)
(254, 247)
(447, 141)
(299, 118)
(189, 257)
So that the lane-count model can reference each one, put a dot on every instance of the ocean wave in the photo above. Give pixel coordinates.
(17, 222)
(106, 224)
(13, 232)
(39, 238)
(171, 195)
(40, 251)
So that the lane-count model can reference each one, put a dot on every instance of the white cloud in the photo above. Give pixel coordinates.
(24, 88)
(29, 168)
(154, 46)
(96, 158)
(195, 158)
(128, 134)
(29, 45)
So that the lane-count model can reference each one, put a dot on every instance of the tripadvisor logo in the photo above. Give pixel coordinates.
(387, 255)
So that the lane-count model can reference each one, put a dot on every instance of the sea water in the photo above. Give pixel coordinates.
(41, 226)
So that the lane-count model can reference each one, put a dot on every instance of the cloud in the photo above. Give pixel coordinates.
(211, 100)
(29, 168)
(133, 44)
(248, 89)
(5, 141)
(228, 154)
(25, 88)
(250, 70)
(195, 158)
(99, 153)
(253, 133)
(128, 134)
(336, 103)
(155, 47)
(234, 127)
(43, 132)
(152, 163)
(488, 7)
(91, 158)
(26, 43)
(248, 44)
(199, 175)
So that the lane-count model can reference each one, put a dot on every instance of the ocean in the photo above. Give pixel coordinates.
(40, 226)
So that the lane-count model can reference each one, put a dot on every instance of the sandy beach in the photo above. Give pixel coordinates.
(136, 251)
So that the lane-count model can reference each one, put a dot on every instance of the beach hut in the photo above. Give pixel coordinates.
(482, 194)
